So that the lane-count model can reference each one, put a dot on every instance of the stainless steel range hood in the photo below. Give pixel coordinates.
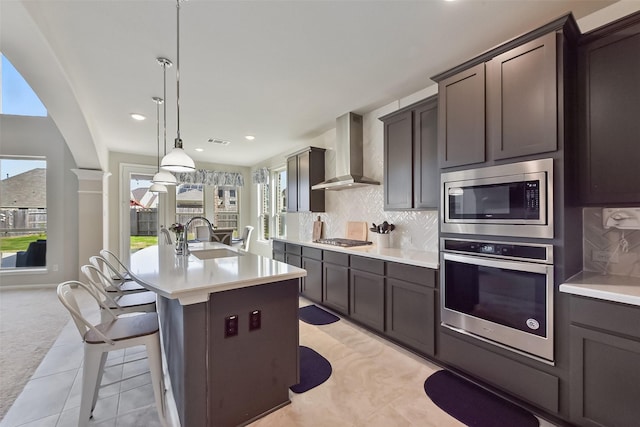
(348, 156)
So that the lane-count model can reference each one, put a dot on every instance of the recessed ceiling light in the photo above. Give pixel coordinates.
(250, 137)
(199, 149)
(136, 116)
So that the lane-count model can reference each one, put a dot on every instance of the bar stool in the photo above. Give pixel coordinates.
(115, 261)
(115, 334)
(117, 280)
(119, 303)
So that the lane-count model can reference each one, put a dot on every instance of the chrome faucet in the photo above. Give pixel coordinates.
(186, 251)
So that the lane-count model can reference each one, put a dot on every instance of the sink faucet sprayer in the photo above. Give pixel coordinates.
(186, 251)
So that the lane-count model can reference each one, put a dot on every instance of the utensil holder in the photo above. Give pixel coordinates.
(382, 240)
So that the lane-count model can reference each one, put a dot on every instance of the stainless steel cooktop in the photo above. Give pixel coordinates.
(336, 241)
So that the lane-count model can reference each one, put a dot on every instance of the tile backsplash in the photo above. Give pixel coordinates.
(620, 247)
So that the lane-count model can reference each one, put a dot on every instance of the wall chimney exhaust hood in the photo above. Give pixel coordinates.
(348, 156)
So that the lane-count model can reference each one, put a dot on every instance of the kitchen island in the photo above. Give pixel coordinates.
(229, 323)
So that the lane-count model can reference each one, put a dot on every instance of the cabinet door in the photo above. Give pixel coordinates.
(398, 154)
(605, 379)
(522, 112)
(411, 315)
(426, 176)
(304, 187)
(609, 124)
(367, 298)
(312, 283)
(461, 117)
(336, 287)
(292, 184)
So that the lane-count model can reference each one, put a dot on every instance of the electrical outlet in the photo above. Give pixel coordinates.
(605, 256)
(230, 326)
(255, 320)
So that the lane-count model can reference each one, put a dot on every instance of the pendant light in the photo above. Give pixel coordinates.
(158, 188)
(177, 160)
(164, 177)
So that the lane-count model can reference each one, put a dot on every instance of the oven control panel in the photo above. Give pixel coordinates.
(499, 249)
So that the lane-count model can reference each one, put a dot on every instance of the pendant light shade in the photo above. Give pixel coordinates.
(177, 160)
(158, 188)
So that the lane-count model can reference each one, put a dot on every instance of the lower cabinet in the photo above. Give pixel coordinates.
(605, 365)
(336, 281)
(366, 284)
(312, 283)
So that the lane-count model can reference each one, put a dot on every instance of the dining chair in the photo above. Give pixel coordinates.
(244, 241)
(112, 334)
(165, 237)
(117, 302)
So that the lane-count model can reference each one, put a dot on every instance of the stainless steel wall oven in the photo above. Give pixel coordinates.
(506, 200)
(500, 292)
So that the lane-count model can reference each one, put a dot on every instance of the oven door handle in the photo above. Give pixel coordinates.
(498, 263)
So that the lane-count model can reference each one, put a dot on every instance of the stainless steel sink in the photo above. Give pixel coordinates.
(214, 253)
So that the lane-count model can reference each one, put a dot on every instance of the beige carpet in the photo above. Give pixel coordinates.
(30, 321)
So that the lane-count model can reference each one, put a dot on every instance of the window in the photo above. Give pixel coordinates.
(17, 96)
(23, 212)
(272, 205)
(217, 202)
(264, 209)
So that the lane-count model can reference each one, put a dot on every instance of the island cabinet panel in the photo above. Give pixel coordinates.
(367, 291)
(522, 99)
(411, 306)
(304, 170)
(213, 375)
(336, 281)
(312, 283)
(605, 361)
(461, 118)
(609, 66)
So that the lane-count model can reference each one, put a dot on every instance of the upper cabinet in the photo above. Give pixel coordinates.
(304, 169)
(609, 120)
(411, 178)
(504, 103)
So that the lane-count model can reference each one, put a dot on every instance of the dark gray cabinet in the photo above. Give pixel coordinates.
(305, 169)
(509, 101)
(609, 66)
(461, 116)
(278, 249)
(411, 306)
(522, 99)
(605, 361)
(312, 283)
(336, 281)
(367, 291)
(411, 176)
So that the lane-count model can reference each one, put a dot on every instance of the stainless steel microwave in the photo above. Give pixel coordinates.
(507, 200)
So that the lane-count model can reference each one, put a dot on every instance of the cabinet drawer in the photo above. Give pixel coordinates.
(367, 264)
(411, 273)
(336, 258)
(615, 317)
(293, 249)
(314, 253)
(278, 246)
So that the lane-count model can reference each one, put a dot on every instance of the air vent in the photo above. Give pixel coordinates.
(219, 141)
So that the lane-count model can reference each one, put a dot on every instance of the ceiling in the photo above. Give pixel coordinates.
(279, 70)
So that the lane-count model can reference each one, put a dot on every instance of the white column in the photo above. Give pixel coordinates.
(92, 213)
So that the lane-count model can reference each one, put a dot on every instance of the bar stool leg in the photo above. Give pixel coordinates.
(154, 356)
(103, 360)
(90, 374)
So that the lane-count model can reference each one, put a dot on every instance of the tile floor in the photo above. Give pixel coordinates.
(374, 383)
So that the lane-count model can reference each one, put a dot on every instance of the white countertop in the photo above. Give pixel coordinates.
(191, 280)
(404, 256)
(624, 289)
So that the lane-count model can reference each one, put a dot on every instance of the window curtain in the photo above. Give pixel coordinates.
(207, 177)
(260, 176)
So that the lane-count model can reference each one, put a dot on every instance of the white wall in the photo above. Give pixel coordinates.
(39, 136)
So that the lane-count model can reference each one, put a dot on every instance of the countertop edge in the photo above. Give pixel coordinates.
(429, 259)
(620, 289)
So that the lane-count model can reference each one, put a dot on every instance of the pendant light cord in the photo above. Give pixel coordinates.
(178, 140)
